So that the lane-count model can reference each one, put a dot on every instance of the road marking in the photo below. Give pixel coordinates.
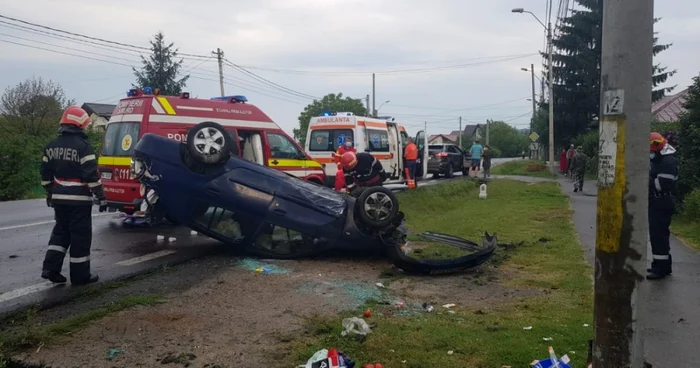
(46, 222)
(14, 294)
(147, 257)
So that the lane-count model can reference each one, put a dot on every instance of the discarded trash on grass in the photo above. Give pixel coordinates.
(379, 284)
(547, 339)
(450, 352)
(528, 328)
(355, 325)
(449, 305)
(585, 325)
(328, 359)
(552, 361)
(428, 308)
(112, 353)
(257, 266)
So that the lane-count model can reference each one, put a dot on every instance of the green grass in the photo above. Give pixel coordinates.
(546, 257)
(686, 230)
(520, 167)
(28, 332)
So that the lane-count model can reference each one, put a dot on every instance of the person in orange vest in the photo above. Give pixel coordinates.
(340, 175)
(410, 156)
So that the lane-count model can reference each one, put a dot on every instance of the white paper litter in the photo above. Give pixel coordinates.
(527, 328)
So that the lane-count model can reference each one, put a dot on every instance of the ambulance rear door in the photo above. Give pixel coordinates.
(396, 153)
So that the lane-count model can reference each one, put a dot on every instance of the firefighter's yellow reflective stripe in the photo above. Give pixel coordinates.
(166, 105)
(114, 161)
(292, 163)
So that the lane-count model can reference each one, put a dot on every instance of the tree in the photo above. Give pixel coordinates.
(161, 70)
(33, 108)
(689, 141)
(506, 139)
(576, 69)
(331, 103)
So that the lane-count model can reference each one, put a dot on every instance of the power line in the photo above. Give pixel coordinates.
(468, 108)
(273, 84)
(90, 37)
(395, 71)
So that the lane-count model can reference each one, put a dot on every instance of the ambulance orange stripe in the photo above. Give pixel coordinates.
(371, 124)
(334, 126)
(324, 160)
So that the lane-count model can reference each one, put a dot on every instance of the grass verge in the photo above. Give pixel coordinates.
(548, 258)
(523, 168)
(28, 332)
(687, 230)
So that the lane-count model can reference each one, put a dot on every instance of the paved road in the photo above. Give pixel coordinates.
(672, 315)
(117, 252)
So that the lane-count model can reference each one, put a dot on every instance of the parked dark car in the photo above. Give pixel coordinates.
(445, 159)
(204, 185)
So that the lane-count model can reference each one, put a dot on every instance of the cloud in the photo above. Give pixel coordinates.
(357, 37)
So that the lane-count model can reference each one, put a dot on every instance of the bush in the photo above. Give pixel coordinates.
(691, 206)
(589, 142)
(18, 175)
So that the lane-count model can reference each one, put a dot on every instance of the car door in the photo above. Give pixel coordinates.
(422, 162)
(454, 154)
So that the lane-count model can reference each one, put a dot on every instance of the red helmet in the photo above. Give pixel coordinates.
(348, 159)
(74, 115)
(657, 142)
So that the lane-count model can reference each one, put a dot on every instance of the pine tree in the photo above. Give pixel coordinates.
(689, 141)
(161, 70)
(577, 73)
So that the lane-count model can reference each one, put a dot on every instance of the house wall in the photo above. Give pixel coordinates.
(97, 122)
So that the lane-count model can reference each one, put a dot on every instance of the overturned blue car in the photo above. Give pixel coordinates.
(205, 185)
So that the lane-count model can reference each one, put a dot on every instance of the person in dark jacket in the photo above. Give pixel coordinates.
(70, 177)
(578, 168)
(486, 163)
(362, 169)
(663, 174)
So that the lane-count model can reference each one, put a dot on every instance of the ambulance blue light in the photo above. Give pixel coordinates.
(132, 92)
(147, 90)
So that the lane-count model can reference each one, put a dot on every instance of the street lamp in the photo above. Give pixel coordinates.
(376, 111)
(551, 89)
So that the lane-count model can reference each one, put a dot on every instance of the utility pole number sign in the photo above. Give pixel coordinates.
(614, 102)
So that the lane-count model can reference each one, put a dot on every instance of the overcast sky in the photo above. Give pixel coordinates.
(453, 55)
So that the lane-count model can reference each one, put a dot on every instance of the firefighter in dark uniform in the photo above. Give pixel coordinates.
(362, 170)
(70, 177)
(663, 174)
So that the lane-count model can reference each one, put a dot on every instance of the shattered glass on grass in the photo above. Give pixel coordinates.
(359, 293)
(255, 265)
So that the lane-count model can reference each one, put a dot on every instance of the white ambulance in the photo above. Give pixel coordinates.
(384, 139)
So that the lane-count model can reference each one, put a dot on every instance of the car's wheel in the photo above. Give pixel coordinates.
(209, 143)
(450, 171)
(377, 206)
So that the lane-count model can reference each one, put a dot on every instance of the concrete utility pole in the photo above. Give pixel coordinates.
(220, 56)
(374, 98)
(622, 228)
(534, 105)
(551, 99)
(488, 122)
(368, 111)
(460, 132)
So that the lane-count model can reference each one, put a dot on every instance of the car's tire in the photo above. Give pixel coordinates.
(377, 207)
(209, 143)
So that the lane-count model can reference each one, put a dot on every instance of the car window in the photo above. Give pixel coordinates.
(282, 147)
(433, 149)
(452, 149)
(378, 140)
(284, 241)
(328, 140)
(226, 224)
(120, 139)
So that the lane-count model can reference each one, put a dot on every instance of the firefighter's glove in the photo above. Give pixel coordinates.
(48, 200)
(103, 204)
